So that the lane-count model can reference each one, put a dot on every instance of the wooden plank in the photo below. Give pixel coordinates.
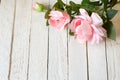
(77, 58)
(6, 26)
(113, 50)
(97, 62)
(57, 55)
(57, 69)
(20, 50)
(113, 58)
(38, 46)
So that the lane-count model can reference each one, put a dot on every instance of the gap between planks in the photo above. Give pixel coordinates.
(12, 40)
(29, 44)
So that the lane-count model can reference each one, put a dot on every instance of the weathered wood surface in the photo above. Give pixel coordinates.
(21, 43)
(31, 51)
(7, 15)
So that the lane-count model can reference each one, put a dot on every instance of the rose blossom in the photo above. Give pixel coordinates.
(58, 19)
(88, 28)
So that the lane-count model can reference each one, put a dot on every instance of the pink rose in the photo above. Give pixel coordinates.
(88, 28)
(58, 19)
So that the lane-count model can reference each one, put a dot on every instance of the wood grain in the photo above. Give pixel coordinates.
(77, 60)
(20, 48)
(97, 62)
(113, 50)
(7, 8)
(38, 46)
(57, 55)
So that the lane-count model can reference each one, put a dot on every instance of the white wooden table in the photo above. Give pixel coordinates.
(31, 51)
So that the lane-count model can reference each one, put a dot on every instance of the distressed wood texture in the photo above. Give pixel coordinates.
(38, 46)
(97, 62)
(31, 51)
(6, 28)
(77, 61)
(20, 48)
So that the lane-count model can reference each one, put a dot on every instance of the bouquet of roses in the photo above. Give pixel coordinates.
(87, 21)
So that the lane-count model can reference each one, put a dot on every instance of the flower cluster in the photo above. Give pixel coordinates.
(88, 21)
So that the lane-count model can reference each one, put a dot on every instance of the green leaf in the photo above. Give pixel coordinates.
(105, 2)
(85, 2)
(110, 30)
(88, 7)
(91, 6)
(56, 5)
(74, 7)
(69, 11)
(95, 3)
(111, 13)
(47, 14)
(59, 5)
(71, 33)
(61, 2)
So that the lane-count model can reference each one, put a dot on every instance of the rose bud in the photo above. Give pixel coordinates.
(38, 7)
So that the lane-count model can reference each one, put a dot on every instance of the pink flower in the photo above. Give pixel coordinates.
(88, 28)
(38, 7)
(58, 19)
(98, 31)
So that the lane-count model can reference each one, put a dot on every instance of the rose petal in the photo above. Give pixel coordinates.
(55, 15)
(85, 15)
(99, 30)
(96, 19)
